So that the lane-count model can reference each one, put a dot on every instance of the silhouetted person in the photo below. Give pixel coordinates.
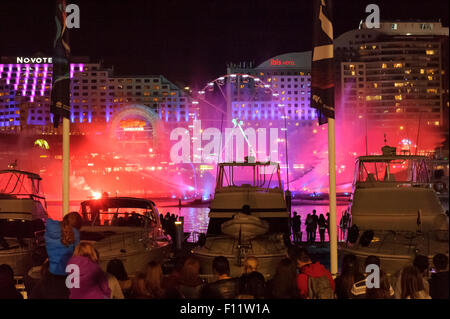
(225, 287)
(309, 225)
(314, 225)
(322, 223)
(296, 226)
(439, 280)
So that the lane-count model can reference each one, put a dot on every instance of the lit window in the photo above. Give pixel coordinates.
(394, 26)
(398, 97)
(398, 65)
(430, 52)
(384, 66)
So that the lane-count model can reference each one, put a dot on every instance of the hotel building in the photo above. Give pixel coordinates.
(396, 73)
(96, 95)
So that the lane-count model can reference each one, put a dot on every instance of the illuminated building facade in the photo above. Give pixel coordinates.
(288, 76)
(395, 73)
(96, 94)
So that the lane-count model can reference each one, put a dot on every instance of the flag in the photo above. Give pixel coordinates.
(322, 81)
(60, 96)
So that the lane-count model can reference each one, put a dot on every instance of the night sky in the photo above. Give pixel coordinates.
(188, 41)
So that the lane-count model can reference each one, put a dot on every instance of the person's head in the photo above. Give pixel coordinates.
(153, 276)
(250, 264)
(246, 209)
(190, 271)
(321, 217)
(6, 276)
(39, 256)
(421, 262)
(116, 268)
(221, 266)
(285, 279)
(295, 213)
(87, 250)
(373, 260)
(314, 211)
(411, 282)
(302, 258)
(384, 292)
(440, 262)
(69, 222)
(349, 273)
(328, 214)
(349, 264)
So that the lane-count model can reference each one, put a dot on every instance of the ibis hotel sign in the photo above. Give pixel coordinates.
(36, 60)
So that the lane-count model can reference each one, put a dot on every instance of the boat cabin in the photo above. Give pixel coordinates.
(253, 185)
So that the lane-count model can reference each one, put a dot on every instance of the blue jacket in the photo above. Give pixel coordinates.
(58, 254)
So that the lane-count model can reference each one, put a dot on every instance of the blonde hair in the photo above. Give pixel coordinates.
(87, 250)
(250, 264)
(70, 221)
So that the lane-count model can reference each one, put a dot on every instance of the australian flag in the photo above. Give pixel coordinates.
(322, 80)
(60, 97)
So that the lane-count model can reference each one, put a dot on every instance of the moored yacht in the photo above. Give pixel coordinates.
(124, 228)
(23, 212)
(396, 210)
(248, 217)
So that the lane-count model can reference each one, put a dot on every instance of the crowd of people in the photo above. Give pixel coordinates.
(321, 223)
(297, 276)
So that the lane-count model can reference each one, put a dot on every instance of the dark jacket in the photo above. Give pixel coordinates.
(221, 289)
(50, 287)
(58, 254)
(253, 284)
(7, 286)
(439, 285)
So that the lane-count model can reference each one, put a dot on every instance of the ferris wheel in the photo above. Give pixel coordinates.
(223, 97)
(220, 93)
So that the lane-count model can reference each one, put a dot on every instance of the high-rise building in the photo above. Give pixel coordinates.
(287, 78)
(96, 94)
(397, 73)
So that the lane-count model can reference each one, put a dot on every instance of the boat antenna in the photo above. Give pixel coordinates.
(286, 144)
(385, 140)
(220, 142)
(418, 132)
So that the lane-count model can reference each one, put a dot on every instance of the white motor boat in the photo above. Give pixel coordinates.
(396, 210)
(23, 212)
(248, 217)
(125, 228)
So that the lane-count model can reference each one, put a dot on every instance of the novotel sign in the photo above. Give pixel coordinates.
(36, 60)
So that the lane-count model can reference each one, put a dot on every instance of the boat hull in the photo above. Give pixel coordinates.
(269, 250)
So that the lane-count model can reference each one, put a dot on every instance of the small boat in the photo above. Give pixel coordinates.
(125, 228)
(23, 212)
(248, 217)
(396, 210)
(245, 226)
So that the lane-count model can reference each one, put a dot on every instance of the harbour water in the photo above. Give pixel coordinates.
(196, 218)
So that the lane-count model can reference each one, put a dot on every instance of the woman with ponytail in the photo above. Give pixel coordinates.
(61, 238)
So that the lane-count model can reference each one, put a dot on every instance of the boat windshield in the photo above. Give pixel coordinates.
(392, 171)
(19, 183)
(257, 175)
(100, 212)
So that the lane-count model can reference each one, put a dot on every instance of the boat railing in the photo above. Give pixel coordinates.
(380, 184)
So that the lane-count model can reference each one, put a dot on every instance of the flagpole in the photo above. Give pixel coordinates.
(66, 166)
(332, 197)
